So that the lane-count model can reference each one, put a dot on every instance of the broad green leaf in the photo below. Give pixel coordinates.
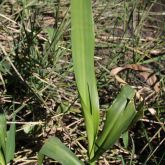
(10, 143)
(55, 149)
(119, 117)
(82, 37)
(3, 128)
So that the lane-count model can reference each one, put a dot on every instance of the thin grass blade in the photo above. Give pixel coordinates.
(125, 137)
(3, 132)
(10, 143)
(55, 149)
(82, 36)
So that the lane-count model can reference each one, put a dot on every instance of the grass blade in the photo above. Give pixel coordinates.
(10, 143)
(82, 36)
(3, 128)
(56, 150)
(125, 137)
(119, 117)
(2, 160)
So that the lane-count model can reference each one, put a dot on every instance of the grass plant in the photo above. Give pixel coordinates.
(7, 141)
(122, 112)
(41, 65)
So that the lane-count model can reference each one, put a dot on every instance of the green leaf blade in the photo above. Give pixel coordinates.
(82, 36)
(3, 133)
(56, 150)
(10, 143)
(119, 117)
(2, 160)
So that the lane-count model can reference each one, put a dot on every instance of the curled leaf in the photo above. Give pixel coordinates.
(146, 73)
